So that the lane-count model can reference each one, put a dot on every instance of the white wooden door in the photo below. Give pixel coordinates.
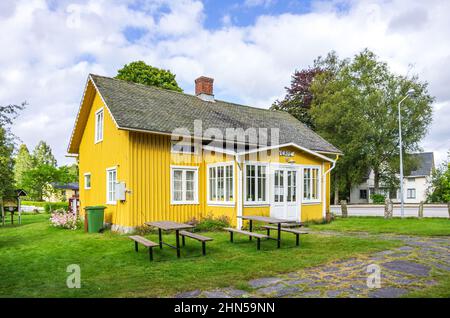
(284, 201)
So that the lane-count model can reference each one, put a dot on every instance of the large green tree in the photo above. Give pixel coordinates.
(355, 107)
(23, 162)
(439, 191)
(7, 115)
(141, 73)
(42, 155)
(36, 181)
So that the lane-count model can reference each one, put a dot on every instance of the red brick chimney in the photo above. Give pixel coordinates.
(204, 88)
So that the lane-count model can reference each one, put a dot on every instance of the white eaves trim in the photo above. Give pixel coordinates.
(291, 144)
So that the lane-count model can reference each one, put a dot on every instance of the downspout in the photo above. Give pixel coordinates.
(239, 191)
(324, 187)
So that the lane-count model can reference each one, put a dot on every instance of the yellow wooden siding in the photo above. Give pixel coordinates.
(95, 158)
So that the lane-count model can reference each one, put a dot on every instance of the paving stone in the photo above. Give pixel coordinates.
(443, 267)
(334, 293)
(382, 253)
(406, 248)
(271, 289)
(215, 294)
(388, 292)
(236, 292)
(330, 269)
(314, 293)
(317, 284)
(408, 267)
(261, 282)
(189, 294)
(288, 291)
(299, 281)
(398, 255)
(359, 287)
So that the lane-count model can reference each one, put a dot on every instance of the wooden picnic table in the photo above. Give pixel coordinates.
(266, 219)
(169, 226)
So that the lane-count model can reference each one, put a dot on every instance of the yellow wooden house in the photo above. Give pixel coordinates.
(151, 154)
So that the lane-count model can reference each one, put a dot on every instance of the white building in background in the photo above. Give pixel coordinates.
(415, 185)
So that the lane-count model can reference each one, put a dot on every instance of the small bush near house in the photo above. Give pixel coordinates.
(66, 220)
(210, 223)
(378, 198)
(39, 204)
(53, 206)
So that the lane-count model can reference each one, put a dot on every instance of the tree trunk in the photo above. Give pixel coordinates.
(388, 208)
(344, 210)
(421, 209)
(336, 192)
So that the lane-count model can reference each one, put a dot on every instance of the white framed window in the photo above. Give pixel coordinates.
(111, 180)
(220, 178)
(184, 185)
(99, 120)
(87, 181)
(411, 194)
(256, 183)
(311, 184)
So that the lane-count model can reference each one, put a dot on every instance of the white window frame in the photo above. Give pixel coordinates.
(183, 184)
(413, 191)
(256, 164)
(319, 184)
(233, 190)
(96, 132)
(108, 170)
(87, 174)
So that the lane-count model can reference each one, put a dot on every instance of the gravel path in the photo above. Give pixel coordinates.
(403, 270)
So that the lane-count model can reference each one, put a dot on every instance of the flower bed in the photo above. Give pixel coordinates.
(65, 220)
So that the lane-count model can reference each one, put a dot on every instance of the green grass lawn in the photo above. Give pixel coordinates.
(410, 226)
(34, 258)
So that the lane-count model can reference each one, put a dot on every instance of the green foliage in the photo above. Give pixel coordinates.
(210, 223)
(439, 191)
(68, 174)
(42, 155)
(36, 181)
(23, 162)
(53, 206)
(6, 163)
(355, 108)
(378, 198)
(141, 73)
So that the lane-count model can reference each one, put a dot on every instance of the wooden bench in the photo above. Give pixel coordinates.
(250, 234)
(293, 224)
(197, 237)
(293, 231)
(147, 243)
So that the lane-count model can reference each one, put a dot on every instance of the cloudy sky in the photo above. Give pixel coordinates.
(250, 48)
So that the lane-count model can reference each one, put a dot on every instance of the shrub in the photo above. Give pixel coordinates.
(378, 198)
(210, 223)
(53, 206)
(66, 220)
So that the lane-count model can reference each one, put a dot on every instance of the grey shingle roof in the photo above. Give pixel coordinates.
(140, 107)
(70, 185)
(425, 164)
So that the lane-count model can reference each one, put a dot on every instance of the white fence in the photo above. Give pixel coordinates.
(411, 210)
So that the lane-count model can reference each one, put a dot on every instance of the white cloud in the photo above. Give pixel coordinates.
(51, 51)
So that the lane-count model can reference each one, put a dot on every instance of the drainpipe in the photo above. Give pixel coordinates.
(239, 191)
(324, 187)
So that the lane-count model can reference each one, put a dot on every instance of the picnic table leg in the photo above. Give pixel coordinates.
(177, 234)
(150, 253)
(160, 238)
(279, 235)
(297, 240)
(136, 248)
(231, 237)
(250, 229)
(204, 248)
(183, 241)
(258, 244)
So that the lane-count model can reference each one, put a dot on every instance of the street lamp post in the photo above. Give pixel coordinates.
(408, 94)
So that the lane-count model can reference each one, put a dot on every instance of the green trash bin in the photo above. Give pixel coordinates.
(95, 217)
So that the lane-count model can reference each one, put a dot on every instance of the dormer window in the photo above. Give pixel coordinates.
(99, 119)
